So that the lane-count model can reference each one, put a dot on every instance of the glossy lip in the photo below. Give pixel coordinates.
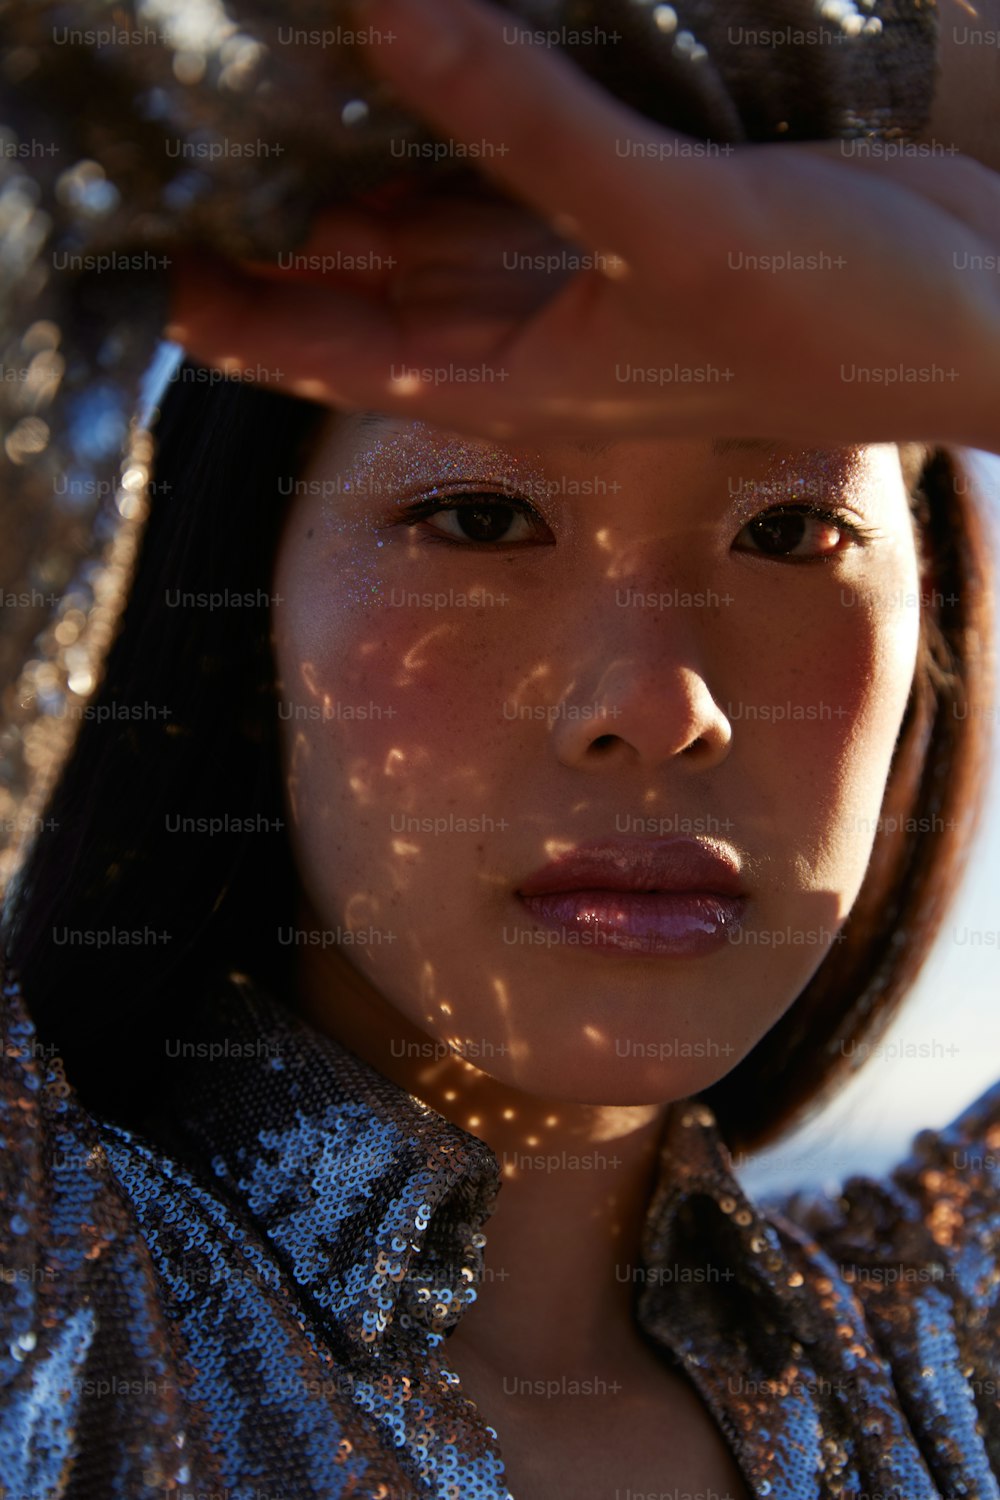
(640, 898)
(678, 864)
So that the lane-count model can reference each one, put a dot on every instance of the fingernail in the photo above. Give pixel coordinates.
(430, 34)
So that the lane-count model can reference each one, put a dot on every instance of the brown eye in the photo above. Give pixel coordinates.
(483, 523)
(797, 534)
(479, 521)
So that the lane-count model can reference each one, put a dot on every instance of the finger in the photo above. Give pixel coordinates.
(344, 246)
(450, 242)
(963, 187)
(429, 363)
(539, 126)
(335, 347)
(237, 322)
(481, 254)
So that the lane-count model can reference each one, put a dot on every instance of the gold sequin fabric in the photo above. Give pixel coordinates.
(132, 130)
(253, 1295)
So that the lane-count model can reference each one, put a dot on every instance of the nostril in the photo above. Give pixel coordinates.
(604, 742)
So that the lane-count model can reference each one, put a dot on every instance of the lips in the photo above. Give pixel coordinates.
(639, 865)
(640, 898)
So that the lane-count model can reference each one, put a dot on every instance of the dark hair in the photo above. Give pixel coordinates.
(105, 858)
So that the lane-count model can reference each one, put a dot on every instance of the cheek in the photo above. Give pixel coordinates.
(388, 711)
(839, 686)
(394, 688)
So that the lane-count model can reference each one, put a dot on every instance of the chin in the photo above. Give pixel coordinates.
(618, 1081)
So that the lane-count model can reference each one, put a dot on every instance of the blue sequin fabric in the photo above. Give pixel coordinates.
(252, 1298)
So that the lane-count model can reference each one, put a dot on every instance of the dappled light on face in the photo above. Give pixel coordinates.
(413, 661)
(301, 748)
(484, 709)
(630, 557)
(517, 1046)
(395, 762)
(362, 909)
(298, 753)
(308, 671)
(360, 779)
(555, 848)
(428, 989)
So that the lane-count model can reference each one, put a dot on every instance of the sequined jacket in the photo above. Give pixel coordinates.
(254, 1298)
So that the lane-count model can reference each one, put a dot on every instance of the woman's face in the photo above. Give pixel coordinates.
(489, 656)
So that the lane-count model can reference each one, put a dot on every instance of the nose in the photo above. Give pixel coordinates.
(651, 702)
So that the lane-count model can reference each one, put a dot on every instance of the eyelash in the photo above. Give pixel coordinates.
(419, 510)
(470, 499)
(841, 520)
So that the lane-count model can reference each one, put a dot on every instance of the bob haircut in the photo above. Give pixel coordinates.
(202, 742)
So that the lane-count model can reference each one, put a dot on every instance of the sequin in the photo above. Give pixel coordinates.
(255, 1296)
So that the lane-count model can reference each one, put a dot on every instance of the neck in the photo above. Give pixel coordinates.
(576, 1182)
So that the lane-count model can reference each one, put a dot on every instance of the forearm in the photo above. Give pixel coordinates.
(966, 109)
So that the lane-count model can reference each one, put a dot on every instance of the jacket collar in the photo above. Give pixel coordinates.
(701, 1225)
(374, 1200)
(377, 1202)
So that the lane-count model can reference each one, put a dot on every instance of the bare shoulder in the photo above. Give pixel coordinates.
(966, 109)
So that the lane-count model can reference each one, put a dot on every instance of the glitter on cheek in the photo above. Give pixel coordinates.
(355, 570)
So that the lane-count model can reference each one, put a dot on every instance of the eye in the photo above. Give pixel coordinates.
(800, 534)
(478, 520)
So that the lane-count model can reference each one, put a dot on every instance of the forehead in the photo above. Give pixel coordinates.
(352, 430)
(362, 423)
